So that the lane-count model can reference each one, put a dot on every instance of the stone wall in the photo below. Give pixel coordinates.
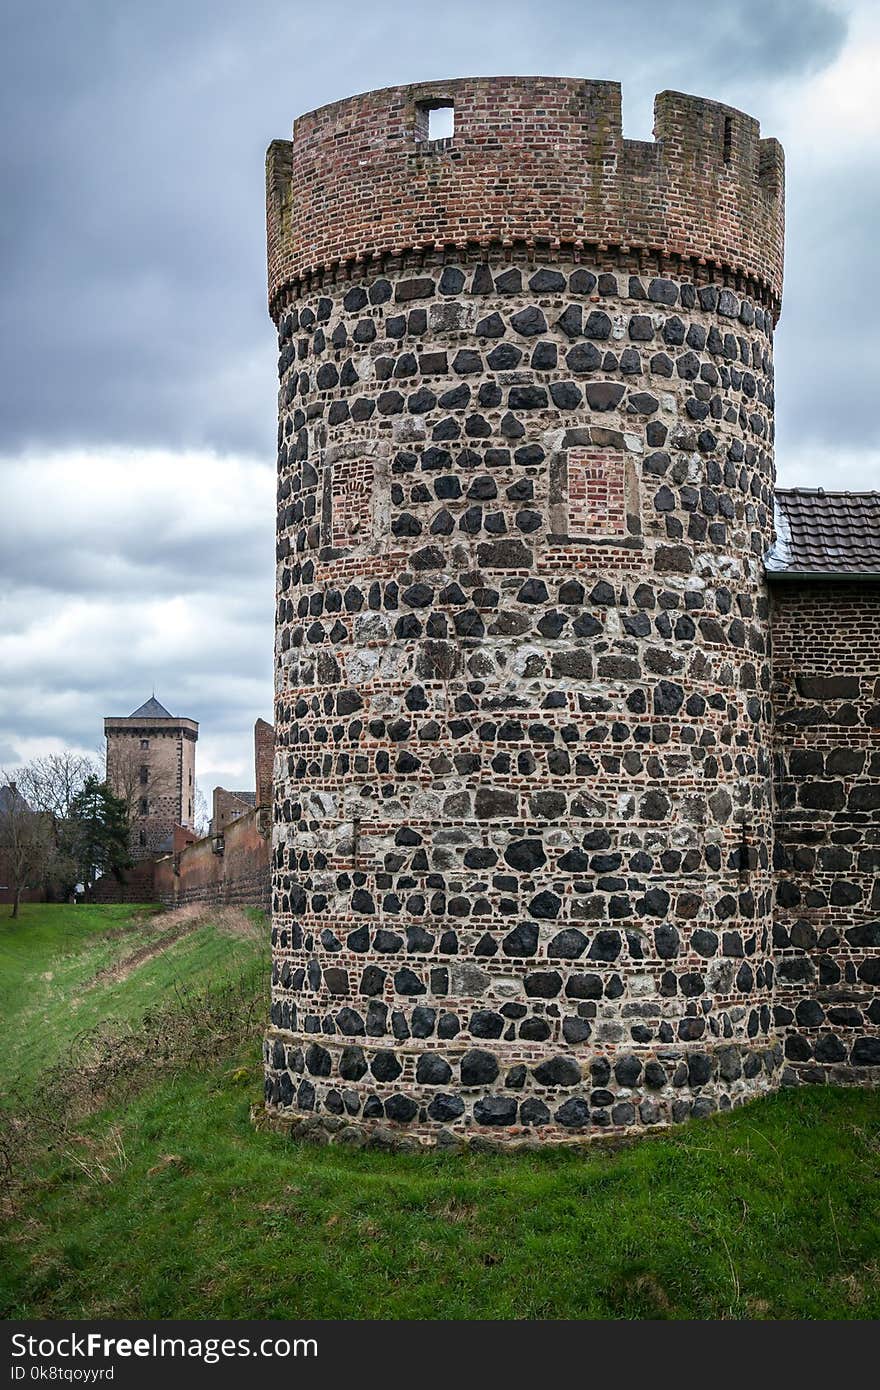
(826, 692)
(136, 886)
(151, 765)
(523, 881)
(521, 861)
(232, 868)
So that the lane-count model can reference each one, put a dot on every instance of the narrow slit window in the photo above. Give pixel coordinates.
(441, 122)
(435, 120)
(727, 148)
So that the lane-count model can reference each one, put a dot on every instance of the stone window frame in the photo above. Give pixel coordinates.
(380, 537)
(557, 474)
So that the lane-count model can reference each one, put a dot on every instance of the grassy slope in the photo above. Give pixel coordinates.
(50, 956)
(767, 1212)
(173, 1206)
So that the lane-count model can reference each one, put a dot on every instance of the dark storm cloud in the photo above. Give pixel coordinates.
(133, 302)
(757, 41)
(165, 527)
(826, 345)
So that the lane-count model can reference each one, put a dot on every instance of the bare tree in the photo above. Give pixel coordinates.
(126, 769)
(26, 842)
(202, 816)
(51, 785)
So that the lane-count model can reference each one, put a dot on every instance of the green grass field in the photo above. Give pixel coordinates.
(165, 1203)
(57, 965)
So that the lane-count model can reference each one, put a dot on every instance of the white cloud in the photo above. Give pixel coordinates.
(833, 114)
(155, 573)
(838, 470)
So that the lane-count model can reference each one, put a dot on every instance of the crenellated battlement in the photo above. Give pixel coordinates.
(536, 163)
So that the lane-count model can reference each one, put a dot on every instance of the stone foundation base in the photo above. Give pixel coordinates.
(364, 1134)
(814, 1074)
(358, 1094)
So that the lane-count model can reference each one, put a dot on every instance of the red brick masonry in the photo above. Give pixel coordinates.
(596, 504)
(537, 160)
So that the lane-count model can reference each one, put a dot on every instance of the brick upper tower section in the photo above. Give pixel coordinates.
(535, 162)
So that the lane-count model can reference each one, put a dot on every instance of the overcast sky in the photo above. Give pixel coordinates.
(137, 361)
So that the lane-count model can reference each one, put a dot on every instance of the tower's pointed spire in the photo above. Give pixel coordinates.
(151, 709)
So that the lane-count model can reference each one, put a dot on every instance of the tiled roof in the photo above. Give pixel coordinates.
(829, 534)
(151, 709)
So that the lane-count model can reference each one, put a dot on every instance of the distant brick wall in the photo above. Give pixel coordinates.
(227, 807)
(240, 875)
(264, 758)
(7, 895)
(137, 886)
(231, 866)
(826, 694)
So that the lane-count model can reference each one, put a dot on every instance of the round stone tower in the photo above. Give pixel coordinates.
(522, 845)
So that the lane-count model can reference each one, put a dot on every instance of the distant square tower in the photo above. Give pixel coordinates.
(151, 764)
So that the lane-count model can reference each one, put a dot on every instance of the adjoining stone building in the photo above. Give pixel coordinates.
(526, 716)
(824, 576)
(231, 805)
(151, 758)
(228, 806)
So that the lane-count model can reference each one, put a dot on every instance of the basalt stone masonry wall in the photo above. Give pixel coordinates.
(826, 690)
(522, 875)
